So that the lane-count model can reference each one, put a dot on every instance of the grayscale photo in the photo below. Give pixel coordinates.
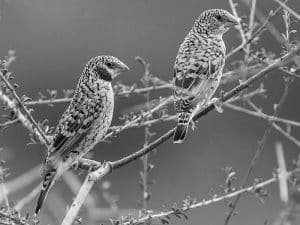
(149, 112)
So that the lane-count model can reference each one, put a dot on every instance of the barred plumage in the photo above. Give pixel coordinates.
(85, 121)
(198, 66)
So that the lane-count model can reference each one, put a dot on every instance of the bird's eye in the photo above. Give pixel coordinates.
(109, 65)
(219, 18)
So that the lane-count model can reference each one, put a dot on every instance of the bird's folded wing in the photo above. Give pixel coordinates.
(192, 83)
(72, 128)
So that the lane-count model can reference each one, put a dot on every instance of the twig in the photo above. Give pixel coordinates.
(262, 115)
(118, 94)
(250, 26)
(8, 219)
(272, 29)
(147, 136)
(282, 174)
(296, 15)
(8, 123)
(165, 215)
(85, 188)
(287, 135)
(127, 125)
(258, 152)
(26, 119)
(108, 167)
(255, 34)
(239, 27)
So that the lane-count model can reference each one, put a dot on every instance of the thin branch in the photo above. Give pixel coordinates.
(26, 119)
(262, 115)
(272, 29)
(108, 167)
(165, 215)
(8, 123)
(131, 90)
(287, 135)
(282, 174)
(85, 188)
(239, 27)
(127, 125)
(251, 27)
(258, 152)
(147, 137)
(296, 15)
(255, 34)
(8, 219)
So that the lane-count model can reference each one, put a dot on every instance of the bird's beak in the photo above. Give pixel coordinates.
(232, 21)
(122, 67)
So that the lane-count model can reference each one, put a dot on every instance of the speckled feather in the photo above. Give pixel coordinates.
(85, 121)
(198, 66)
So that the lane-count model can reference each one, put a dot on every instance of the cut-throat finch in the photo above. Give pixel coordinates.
(198, 66)
(85, 121)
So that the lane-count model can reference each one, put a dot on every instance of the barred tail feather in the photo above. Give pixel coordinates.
(182, 127)
(48, 181)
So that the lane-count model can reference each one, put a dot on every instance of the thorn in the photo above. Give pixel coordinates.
(193, 125)
(217, 103)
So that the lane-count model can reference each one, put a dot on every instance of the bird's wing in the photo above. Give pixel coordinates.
(194, 77)
(73, 126)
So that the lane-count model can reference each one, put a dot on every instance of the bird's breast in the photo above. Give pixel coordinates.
(106, 104)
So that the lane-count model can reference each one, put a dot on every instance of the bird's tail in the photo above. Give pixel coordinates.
(184, 119)
(49, 179)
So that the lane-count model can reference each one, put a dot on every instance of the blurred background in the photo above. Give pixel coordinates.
(54, 39)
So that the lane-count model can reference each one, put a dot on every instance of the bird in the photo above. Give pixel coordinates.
(85, 121)
(198, 66)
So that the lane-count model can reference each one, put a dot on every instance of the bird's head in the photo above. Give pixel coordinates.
(107, 67)
(215, 21)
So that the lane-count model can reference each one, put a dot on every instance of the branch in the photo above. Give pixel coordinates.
(87, 185)
(239, 27)
(296, 15)
(255, 34)
(131, 90)
(286, 134)
(282, 174)
(26, 119)
(262, 115)
(165, 216)
(8, 219)
(108, 167)
(259, 150)
(272, 29)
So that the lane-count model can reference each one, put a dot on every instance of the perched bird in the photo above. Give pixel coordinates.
(198, 66)
(85, 121)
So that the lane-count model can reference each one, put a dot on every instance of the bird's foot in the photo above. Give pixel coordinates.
(217, 103)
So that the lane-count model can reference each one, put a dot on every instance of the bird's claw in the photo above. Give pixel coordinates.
(218, 104)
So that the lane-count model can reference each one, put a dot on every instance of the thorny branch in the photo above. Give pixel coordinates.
(108, 167)
(189, 203)
(17, 106)
(259, 150)
(254, 72)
